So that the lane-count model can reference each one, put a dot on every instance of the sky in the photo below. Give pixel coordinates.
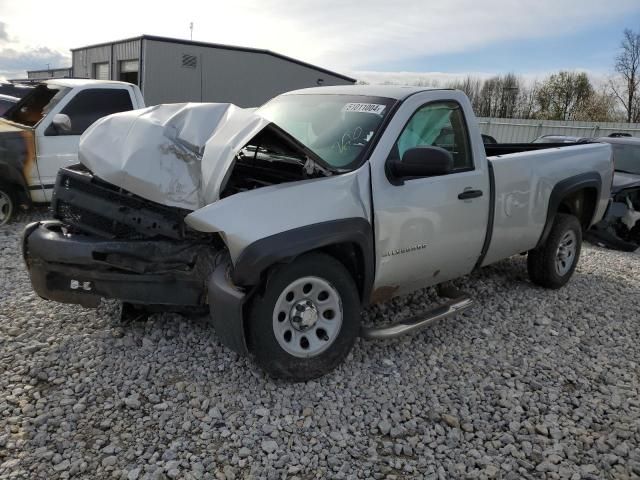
(377, 40)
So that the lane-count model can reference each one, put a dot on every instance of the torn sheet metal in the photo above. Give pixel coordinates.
(631, 216)
(620, 229)
(176, 154)
(221, 149)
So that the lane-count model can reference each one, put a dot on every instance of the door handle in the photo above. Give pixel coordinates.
(468, 194)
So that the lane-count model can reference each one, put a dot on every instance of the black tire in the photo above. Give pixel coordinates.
(261, 320)
(8, 204)
(542, 262)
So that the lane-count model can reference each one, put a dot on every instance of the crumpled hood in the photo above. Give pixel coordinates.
(175, 154)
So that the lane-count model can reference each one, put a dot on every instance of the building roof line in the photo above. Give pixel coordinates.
(222, 47)
(57, 69)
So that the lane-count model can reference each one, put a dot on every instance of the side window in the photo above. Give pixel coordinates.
(438, 124)
(90, 105)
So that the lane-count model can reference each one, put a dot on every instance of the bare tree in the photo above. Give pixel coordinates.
(561, 96)
(509, 88)
(470, 86)
(488, 97)
(498, 96)
(627, 66)
(526, 103)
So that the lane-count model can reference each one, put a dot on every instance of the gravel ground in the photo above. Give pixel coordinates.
(527, 384)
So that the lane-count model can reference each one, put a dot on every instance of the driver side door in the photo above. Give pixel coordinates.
(429, 229)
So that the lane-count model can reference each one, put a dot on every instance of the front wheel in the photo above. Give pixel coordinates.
(307, 319)
(7, 204)
(552, 264)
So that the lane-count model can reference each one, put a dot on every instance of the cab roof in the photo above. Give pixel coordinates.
(397, 92)
(82, 82)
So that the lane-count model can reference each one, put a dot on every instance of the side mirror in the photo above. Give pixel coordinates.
(423, 162)
(61, 123)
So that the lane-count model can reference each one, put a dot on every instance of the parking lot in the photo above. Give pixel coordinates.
(529, 383)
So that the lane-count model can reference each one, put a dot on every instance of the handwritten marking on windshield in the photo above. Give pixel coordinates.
(348, 139)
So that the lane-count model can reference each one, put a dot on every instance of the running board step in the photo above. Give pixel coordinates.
(413, 324)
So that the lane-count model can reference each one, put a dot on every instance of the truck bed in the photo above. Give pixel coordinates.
(524, 176)
(496, 149)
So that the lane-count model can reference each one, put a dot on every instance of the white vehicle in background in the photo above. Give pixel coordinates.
(40, 133)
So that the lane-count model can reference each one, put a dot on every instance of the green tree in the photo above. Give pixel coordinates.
(564, 96)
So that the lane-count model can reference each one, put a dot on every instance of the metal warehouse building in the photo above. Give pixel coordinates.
(170, 70)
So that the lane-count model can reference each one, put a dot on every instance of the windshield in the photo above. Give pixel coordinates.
(337, 128)
(36, 104)
(626, 158)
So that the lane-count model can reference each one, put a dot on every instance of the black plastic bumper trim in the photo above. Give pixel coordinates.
(82, 269)
(226, 308)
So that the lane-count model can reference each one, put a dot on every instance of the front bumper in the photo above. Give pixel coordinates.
(82, 269)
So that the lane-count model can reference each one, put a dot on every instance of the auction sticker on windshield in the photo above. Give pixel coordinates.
(364, 108)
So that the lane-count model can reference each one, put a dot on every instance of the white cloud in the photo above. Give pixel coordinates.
(428, 79)
(14, 63)
(4, 36)
(333, 33)
(356, 35)
(442, 79)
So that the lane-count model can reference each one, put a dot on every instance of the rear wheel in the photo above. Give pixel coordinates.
(7, 204)
(307, 320)
(552, 264)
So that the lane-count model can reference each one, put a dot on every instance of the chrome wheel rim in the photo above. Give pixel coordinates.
(307, 317)
(566, 253)
(6, 207)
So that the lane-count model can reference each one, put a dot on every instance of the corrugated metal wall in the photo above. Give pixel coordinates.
(84, 59)
(126, 50)
(247, 79)
(507, 130)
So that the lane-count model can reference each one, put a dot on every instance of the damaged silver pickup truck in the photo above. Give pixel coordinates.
(285, 221)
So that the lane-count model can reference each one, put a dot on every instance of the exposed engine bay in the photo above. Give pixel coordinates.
(270, 158)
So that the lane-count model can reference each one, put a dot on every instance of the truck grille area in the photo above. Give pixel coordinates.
(88, 204)
(93, 223)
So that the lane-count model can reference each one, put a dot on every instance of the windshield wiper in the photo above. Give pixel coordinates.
(627, 171)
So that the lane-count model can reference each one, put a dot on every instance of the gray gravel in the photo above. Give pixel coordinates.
(527, 384)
